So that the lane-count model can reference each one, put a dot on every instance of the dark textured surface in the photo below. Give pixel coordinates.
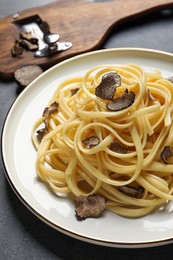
(24, 236)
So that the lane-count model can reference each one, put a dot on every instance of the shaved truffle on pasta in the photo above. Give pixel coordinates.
(110, 132)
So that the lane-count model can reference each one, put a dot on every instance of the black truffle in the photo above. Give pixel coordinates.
(28, 45)
(107, 88)
(166, 154)
(50, 110)
(170, 79)
(28, 37)
(117, 147)
(27, 74)
(135, 192)
(91, 206)
(16, 50)
(74, 91)
(91, 141)
(126, 100)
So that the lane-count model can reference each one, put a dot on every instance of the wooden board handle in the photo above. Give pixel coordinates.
(85, 24)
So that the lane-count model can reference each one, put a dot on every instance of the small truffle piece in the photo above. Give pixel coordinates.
(29, 37)
(74, 91)
(170, 79)
(91, 141)
(41, 132)
(166, 154)
(117, 147)
(28, 45)
(50, 110)
(107, 88)
(16, 50)
(125, 101)
(91, 206)
(27, 74)
(135, 192)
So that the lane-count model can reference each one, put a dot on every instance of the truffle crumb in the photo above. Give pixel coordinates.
(74, 91)
(170, 79)
(16, 50)
(135, 192)
(91, 206)
(91, 141)
(50, 110)
(41, 132)
(166, 154)
(107, 88)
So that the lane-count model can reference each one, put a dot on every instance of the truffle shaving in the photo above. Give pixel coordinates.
(91, 141)
(27, 74)
(91, 206)
(135, 192)
(107, 88)
(28, 45)
(166, 154)
(50, 110)
(74, 91)
(125, 101)
(16, 50)
(117, 147)
(28, 37)
(170, 79)
(41, 132)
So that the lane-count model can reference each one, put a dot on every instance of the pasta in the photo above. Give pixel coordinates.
(135, 180)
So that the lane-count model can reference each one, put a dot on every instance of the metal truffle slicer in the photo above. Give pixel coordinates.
(48, 42)
(52, 45)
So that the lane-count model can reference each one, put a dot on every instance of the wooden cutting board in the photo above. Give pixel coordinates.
(85, 24)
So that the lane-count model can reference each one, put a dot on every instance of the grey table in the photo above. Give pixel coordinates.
(23, 235)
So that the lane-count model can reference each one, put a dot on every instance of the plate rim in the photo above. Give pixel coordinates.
(31, 208)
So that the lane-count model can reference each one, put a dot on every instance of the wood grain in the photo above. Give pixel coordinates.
(85, 24)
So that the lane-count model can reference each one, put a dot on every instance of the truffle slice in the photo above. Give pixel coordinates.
(74, 91)
(16, 50)
(91, 206)
(27, 74)
(107, 88)
(41, 132)
(91, 141)
(135, 192)
(28, 45)
(28, 37)
(50, 110)
(126, 100)
(166, 154)
(170, 79)
(118, 147)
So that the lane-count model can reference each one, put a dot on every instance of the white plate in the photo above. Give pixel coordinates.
(19, 158)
